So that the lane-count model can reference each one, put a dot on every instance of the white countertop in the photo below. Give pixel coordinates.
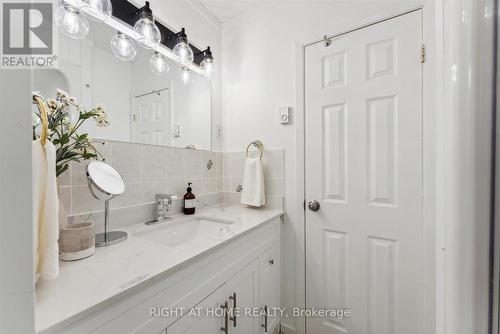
(84, 284)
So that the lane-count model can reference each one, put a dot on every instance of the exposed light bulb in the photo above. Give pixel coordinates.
(182, 50)
(159, 64)
(207, 65)
(71, 22)
(98, 10)
(122, 46)
(185, 76)
(146, 32)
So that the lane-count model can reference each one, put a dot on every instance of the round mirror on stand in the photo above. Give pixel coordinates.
(105, 183)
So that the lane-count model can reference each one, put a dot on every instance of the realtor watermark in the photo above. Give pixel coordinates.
(255, 312)
(29, 38)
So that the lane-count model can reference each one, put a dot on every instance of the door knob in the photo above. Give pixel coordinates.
(313, 205)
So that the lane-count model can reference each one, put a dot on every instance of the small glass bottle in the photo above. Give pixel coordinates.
(189, 201)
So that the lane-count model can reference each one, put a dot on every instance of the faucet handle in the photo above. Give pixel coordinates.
(165, 199)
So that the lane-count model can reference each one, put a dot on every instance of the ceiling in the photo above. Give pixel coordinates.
(227, 9)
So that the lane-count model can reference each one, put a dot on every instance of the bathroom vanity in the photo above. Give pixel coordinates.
(175, 277)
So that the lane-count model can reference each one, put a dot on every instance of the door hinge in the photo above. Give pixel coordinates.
(133, 118)
(304, 205)
(422, 54)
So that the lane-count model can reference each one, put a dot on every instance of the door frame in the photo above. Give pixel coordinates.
(432, 81)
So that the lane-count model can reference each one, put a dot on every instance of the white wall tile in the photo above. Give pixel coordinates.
(83, 201)
(127, 159)
(133, 195)
(153, 163)
(149, 170)
(176, 164)
(275, 185)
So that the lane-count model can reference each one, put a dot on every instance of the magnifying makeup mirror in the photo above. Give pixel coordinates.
(105, 183)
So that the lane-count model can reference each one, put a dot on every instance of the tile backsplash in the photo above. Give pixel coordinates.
(274, 174)
(148, 170)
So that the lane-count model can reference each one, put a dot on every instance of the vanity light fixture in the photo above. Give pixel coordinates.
(185, 75)
(207, 64)
(98, 10)
(71, 22)
(159, 64)
(122, 46)
(182, 49)
(146, 31)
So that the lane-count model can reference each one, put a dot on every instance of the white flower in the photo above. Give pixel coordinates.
(101, 116)
(72, 101)
(52, 104)
(61, 94)
(102, 123)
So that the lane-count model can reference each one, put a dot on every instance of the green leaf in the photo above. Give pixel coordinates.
(65, 139)
(61, 169)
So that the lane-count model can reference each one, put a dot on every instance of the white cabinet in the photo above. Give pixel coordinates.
(199, 320)
(243, 273)
(269, 288)
(248, 302)
(243, 295)
(224, 310)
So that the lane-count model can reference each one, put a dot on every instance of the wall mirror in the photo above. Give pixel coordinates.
(173, 109)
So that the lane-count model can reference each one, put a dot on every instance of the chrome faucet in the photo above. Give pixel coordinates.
(163, 204)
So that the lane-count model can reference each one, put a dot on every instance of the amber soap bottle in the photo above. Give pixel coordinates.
(189, 201)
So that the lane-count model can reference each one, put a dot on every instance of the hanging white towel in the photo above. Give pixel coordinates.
(253, 183)
(45, 211)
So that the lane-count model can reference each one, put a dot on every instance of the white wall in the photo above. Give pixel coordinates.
(16, 224)
(465, 204)
(259, 76)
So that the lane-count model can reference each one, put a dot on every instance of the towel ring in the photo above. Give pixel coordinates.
(42, 108)
(257, 144)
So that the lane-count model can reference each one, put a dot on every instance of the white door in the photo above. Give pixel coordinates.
(152, 119)
(364, 167)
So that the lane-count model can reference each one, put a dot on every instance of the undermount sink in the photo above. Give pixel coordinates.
(177, 233)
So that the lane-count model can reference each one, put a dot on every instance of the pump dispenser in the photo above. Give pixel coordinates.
(189, 201)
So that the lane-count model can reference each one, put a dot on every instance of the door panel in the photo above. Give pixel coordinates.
(364, 166)
(152, 119)
(205, 322)
(269, 285)
(245, 287)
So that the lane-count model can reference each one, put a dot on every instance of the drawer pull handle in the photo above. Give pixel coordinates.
(225, 329)
(233, 318)
(271, 261)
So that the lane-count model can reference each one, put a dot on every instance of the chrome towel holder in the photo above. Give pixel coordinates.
(258, 145)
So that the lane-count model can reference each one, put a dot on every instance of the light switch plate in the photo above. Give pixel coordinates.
(218, 130)
(177, 130)
(285, 115)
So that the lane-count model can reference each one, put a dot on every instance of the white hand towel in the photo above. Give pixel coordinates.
(253, 183)
(45, 211)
